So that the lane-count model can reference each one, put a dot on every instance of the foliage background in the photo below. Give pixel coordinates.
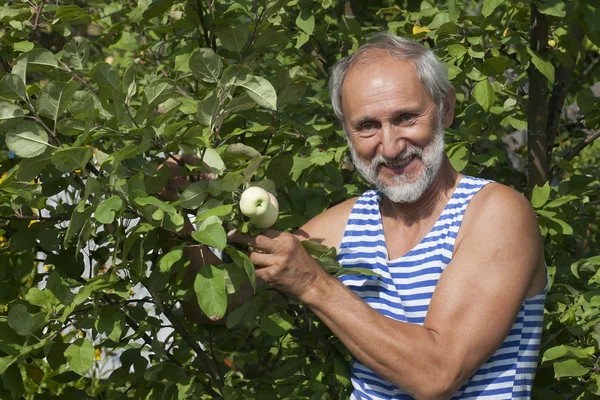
(96, 95)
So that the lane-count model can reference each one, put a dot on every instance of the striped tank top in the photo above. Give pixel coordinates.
(404, 289)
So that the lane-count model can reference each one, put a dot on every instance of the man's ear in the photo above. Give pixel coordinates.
(449, 101)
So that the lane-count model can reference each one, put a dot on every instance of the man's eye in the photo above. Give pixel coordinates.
(407, 117)
(367, 126)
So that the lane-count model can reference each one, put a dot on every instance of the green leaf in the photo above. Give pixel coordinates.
(81, 355)
(456, 50)
(72, 14)
(193, 196)
(540, 195)
(489, 6)
(210, 290)
(211, 233)
(242, 260)
(206, 65)
(236, 75)
(234, 38)
(72, 158)
(54, 99)
(569, 368)
(20, 320)
(105, 75)
(458, 155)
(586, 100)
(78, 219)
(159, 91)
(261, 91)
(29, 168)
(12, 88)
(27, 139)
(106, 211)
(545, 67)
(76, 53)
(275, 324)
(562, 351)
(552, 7)
(561, 200)
(484, 94)
(10, 111)
(306, 21)
(40, 60)
(166, 262)
(245, 314)
(453, 10)
(23, 46)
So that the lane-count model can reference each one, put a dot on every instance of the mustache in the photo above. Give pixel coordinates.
(410, 152)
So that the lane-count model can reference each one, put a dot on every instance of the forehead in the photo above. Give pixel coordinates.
(380, 81)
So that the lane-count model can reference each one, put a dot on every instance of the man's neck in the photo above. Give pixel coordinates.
(434, 198)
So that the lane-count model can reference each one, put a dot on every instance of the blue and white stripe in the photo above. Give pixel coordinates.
(404, 289)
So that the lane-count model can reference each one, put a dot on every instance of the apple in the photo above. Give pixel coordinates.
(260, 206)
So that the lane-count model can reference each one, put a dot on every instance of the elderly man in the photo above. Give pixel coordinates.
(457, 309)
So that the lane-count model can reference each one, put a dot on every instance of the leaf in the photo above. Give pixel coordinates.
(456, 50)
(72, 158)
(234, 38)
(78, 219)
(54, 99)
(306, 21)
(261, 91)
(29, 168)
(76, 53)
(458, 156)
(40, 60)
(211, 233)
(210, 290)
(569, 368)
(193, 196)
(106, 211)
(10, 111)
(159, 91)
(242, 260)
(105, 75)
(81, 355)
(561, 200)
(275, 324)
(561, 351)
(545, 67)
(206, 65)
(453, 10)
(73, 14)
(27, 139)
(245, 314)
(20, 320)
(552, 7)
(241, 151)
(236, 75)
(484, 94)
(489, 6)
(540, 195)
(12, 88)
(166, 262)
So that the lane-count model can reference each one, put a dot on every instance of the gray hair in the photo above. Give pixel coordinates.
(432, 73)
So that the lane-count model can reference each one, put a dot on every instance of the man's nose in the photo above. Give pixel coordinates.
(392, 141)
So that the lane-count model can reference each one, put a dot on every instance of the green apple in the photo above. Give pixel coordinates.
(260, 206)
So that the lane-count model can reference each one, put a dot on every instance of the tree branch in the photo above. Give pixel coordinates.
(564, 76)
(593, 135)
(537, 113)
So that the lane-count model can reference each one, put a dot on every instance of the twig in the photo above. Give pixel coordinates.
(583, 144)
(38, 12)
(179, 328)
(253, 36)
(31, 218)
(66, 68)
(200, 11)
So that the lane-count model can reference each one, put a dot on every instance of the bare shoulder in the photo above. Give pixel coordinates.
(328, 227)
(501, 220)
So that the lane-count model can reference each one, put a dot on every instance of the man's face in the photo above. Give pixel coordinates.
(395, 132)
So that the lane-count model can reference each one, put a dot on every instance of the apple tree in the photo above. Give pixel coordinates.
(99, 100)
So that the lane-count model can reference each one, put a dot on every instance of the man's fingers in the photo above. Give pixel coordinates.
(261, 260)
(263, 242)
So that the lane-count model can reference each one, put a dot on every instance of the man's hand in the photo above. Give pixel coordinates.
(281, 260)
(178, 178)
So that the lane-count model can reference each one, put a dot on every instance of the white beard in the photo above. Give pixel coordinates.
(402, 190)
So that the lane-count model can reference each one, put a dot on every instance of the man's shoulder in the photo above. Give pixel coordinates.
(328, 227)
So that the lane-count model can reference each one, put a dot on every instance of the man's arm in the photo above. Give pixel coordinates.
(498, 261)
